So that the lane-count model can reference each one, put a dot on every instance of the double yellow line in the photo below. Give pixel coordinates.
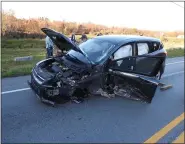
(161, 133)
(180, 139)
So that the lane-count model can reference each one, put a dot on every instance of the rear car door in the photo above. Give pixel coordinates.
(134, 75)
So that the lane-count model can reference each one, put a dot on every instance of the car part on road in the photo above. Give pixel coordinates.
(164, 86)
(48, 102)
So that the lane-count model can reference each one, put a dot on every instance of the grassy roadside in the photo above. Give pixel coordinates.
(17, 48)
(175, 52)
(34, 47)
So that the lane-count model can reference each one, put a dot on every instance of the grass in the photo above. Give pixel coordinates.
(9, 67)
(11, 48)
(175, 52)
(22, 43)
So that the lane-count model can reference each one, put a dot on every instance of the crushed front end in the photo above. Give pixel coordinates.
(54, 82)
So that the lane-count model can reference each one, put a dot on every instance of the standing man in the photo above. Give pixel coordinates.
(49, 47)
(73, 39)
(100, 34)
(84, 37)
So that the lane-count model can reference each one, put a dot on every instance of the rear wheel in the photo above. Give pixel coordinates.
(158, 76)
(161, 71)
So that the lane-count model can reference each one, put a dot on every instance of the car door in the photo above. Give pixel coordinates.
(143, 63)
(134, 75)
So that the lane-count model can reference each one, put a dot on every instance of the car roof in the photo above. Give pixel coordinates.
(121, 39)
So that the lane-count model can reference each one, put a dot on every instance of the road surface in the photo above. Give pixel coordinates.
(25, 119)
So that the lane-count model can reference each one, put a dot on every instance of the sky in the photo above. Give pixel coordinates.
(162, 16)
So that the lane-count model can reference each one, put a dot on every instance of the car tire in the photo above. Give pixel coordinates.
(158, 76)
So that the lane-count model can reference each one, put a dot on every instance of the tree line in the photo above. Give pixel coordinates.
(13, 27)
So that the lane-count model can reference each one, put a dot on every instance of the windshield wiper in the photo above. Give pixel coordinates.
(71, 57)
(87, 57)
(75, 58)
(68, 56)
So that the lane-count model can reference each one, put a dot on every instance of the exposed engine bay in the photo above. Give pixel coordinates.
(68, 83)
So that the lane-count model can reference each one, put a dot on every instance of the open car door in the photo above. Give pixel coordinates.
(134, 76)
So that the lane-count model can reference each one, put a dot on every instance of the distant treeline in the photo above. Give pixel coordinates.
(13, 27)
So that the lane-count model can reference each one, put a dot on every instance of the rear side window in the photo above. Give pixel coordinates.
(155, 46)
(143, 48)
(161, 46)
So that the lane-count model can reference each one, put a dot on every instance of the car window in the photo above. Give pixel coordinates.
(161, 45)
(123, 52)
(155, 46)
(143, 48)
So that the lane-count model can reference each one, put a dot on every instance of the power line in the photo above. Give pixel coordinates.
(178, 5)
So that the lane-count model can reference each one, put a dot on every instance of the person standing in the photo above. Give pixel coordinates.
(73, 38)
(100, 34)
(84, 37)
(49, 47)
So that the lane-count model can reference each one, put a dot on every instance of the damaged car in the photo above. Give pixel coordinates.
(110, 65)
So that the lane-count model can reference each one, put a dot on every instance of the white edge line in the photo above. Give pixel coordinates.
(24, 89)
(17, 90)
(175, 63)
(176, 73)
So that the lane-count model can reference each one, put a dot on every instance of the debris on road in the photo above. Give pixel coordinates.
(164, 86)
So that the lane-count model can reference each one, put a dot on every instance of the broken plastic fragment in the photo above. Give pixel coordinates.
(104, 93)
(165, 87)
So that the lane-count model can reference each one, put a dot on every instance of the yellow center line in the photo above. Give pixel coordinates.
(157, 136)
(180, 139)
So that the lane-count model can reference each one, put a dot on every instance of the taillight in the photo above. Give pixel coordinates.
(162, 53)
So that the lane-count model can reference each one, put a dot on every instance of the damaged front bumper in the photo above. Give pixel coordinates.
(46, 93)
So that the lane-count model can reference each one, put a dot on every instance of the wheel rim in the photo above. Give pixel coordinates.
(158, 75)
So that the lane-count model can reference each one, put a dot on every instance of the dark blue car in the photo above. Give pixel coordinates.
(111, 65)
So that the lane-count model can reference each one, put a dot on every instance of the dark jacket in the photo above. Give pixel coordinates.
(83, 37)
(73, 38)
(99, 34)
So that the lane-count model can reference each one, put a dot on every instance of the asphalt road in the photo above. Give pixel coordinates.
(25, 119)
